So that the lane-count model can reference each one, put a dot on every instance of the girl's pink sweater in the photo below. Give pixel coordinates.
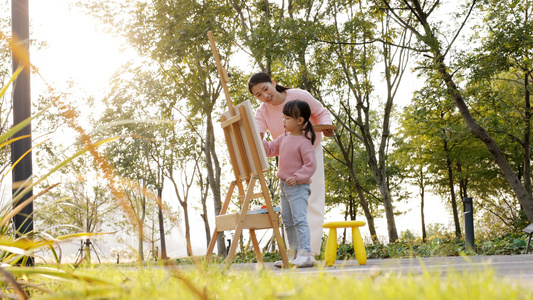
(296, 157)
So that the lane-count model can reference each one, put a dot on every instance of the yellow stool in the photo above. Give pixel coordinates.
(331, 245)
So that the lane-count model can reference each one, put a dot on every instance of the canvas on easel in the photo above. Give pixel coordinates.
(249, 162)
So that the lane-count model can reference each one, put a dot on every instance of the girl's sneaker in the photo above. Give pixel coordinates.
(291, 254)
(304, 259)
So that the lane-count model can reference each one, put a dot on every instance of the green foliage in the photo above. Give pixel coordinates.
(508, 244)
(407, 236)
(442, 245)
(250, 257)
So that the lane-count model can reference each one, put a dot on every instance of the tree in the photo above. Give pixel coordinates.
(185, 159)
(343, 172)
(141, 154)
(81, 203)
(353, 45)
(174, 35)
(426, 33)
(435, 137)
(412, 155)
(502, 66)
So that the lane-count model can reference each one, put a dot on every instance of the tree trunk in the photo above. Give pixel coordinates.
(523, 196)
(360, 193)
(141, 234)
(345, 219)
(463, 183)
(389, 211)
(187, 228)
(527, 135)
(452, 193)
(422, 194)
(213, 173)
(203, 215)
(368, 214)
(162, 225)
(380, 174)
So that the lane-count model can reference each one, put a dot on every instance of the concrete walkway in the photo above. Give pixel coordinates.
(517, 268)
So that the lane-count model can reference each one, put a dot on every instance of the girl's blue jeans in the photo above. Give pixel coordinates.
(294, 214)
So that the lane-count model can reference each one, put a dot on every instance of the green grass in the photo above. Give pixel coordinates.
(192, 283)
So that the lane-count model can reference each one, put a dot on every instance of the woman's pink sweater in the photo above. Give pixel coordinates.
(269, 117)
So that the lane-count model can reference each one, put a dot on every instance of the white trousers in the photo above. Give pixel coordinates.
(317, 202)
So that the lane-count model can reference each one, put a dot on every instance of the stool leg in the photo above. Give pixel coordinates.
(358, 246)
(331, 248)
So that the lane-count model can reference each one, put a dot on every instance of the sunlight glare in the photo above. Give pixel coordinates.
(76, 50)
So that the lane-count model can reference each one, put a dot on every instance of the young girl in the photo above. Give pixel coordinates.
(297, 163)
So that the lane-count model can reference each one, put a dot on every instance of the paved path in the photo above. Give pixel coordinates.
(518, 268)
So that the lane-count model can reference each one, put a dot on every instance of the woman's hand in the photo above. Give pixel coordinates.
(327, 132)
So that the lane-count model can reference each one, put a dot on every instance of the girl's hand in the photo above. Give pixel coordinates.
(327, 132)
(291, 181)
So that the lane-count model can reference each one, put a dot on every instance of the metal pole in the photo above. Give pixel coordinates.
(469, 224)
(22, 170)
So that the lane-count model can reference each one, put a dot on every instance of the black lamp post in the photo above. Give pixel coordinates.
(22, 170)
(469, 223)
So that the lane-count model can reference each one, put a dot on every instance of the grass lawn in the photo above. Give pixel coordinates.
(179, 282)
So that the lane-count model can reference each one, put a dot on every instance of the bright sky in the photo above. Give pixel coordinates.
(77, 49)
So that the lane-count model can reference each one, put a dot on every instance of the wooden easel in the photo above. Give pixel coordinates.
(249, 163)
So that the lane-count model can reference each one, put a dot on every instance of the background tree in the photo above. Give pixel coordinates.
(137, 155)
(348, 177)
(349, 181)
(174, 35)
(499, 79)
(432, 126)
(81, 203)
(427, 34)
(353, 46)
(185, 156)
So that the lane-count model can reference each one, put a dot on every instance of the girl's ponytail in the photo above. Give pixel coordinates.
(308, 129)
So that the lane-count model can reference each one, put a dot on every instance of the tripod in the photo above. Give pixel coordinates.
(84, 253)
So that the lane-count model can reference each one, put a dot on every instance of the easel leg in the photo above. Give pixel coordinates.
(240, 223)
(222, 212)
(211, 246)
(281, 245)
(233, 248)
(257, 250)
(275, 223)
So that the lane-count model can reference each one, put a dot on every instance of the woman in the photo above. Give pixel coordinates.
(269, 117)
